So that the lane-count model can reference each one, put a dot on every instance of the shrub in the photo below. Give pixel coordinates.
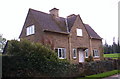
(89, 59)
(25, 57)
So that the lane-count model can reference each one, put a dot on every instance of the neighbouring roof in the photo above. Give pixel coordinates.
(71, 19)
(91, 32)
(58, 24)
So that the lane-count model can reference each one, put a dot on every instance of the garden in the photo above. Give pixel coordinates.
(26, 59)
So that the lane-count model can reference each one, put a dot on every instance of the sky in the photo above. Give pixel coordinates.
(101, 15)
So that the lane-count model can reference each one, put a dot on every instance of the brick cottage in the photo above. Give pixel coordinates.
(69, 37)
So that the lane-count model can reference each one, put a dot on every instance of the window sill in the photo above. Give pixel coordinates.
(61, 58)
(96, 56)
(79, 36)
(30, 35)
(74, 57)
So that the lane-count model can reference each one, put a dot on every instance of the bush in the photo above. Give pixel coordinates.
(89, 59)
(26, 59)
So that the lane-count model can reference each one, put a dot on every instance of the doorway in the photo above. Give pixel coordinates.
(81, 56)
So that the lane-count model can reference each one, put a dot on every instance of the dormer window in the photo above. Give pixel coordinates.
(30, 30)
(79, 32)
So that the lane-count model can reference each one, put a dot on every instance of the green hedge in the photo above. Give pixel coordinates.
(26, 59)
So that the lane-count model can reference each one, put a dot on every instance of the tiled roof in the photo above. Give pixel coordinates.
(58, 24)
(71, 19)
(48, 22)
(91, 32)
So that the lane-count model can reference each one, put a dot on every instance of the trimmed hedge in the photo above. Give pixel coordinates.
(26, 59)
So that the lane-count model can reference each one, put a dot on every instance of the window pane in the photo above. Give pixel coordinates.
(74, 53)
(27, 31)
(79, 32)
(86, 52)
(60, 54)
(63, 53)
(30, 30)
(95, 52)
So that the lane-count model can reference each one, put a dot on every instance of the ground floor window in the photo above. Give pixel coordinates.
(61, 53)
(95, 53)
(74, 53)
(86, 53)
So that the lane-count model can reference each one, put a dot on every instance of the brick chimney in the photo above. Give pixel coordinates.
(54, 12)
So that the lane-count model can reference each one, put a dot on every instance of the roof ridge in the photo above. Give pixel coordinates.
(30, 9)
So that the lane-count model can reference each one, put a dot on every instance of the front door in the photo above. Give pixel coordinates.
(81, 56)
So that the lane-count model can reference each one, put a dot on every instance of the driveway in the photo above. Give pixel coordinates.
(117, 76)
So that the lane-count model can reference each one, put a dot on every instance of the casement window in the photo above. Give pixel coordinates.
(95, 53)
(74, 53)
(86, 53)
(61, 53)
(30, 30)
(79, 32)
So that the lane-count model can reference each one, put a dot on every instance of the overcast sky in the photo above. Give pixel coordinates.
(101, 15)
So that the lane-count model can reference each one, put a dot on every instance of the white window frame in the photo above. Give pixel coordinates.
(86, 53)
(79, 32)
(96, 53)
(74, 53)
(30, 30)
(63, 53)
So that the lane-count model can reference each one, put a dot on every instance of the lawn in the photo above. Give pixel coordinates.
(102, 75)
(115, 55)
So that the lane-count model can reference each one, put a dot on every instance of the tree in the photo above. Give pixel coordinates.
(118, 46)
(105, 46)
(2, 43)
(114, 48)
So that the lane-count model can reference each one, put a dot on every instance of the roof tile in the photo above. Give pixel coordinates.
(58, 24)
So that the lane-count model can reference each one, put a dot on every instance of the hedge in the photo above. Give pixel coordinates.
(26, 59)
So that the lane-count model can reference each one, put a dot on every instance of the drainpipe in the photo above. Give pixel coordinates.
(69, 39)
(70, 47)
(91, 47)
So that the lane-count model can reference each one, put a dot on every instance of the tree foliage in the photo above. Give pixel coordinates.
(114, 48)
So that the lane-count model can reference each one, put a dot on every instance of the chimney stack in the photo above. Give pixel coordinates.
(54, 12)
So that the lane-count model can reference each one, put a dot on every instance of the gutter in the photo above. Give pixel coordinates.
(46, 30)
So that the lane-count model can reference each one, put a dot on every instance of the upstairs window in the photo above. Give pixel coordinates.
(74, 53)
(95, 53)
(61, 53)
(79, 32)
(86, 53)
(30, 30)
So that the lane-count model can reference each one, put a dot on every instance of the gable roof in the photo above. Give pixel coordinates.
(48, 22)
(71, 19)
(59, 24)
(91, 32)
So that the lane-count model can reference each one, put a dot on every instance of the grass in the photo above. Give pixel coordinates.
(114, 56)
(102, 75)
